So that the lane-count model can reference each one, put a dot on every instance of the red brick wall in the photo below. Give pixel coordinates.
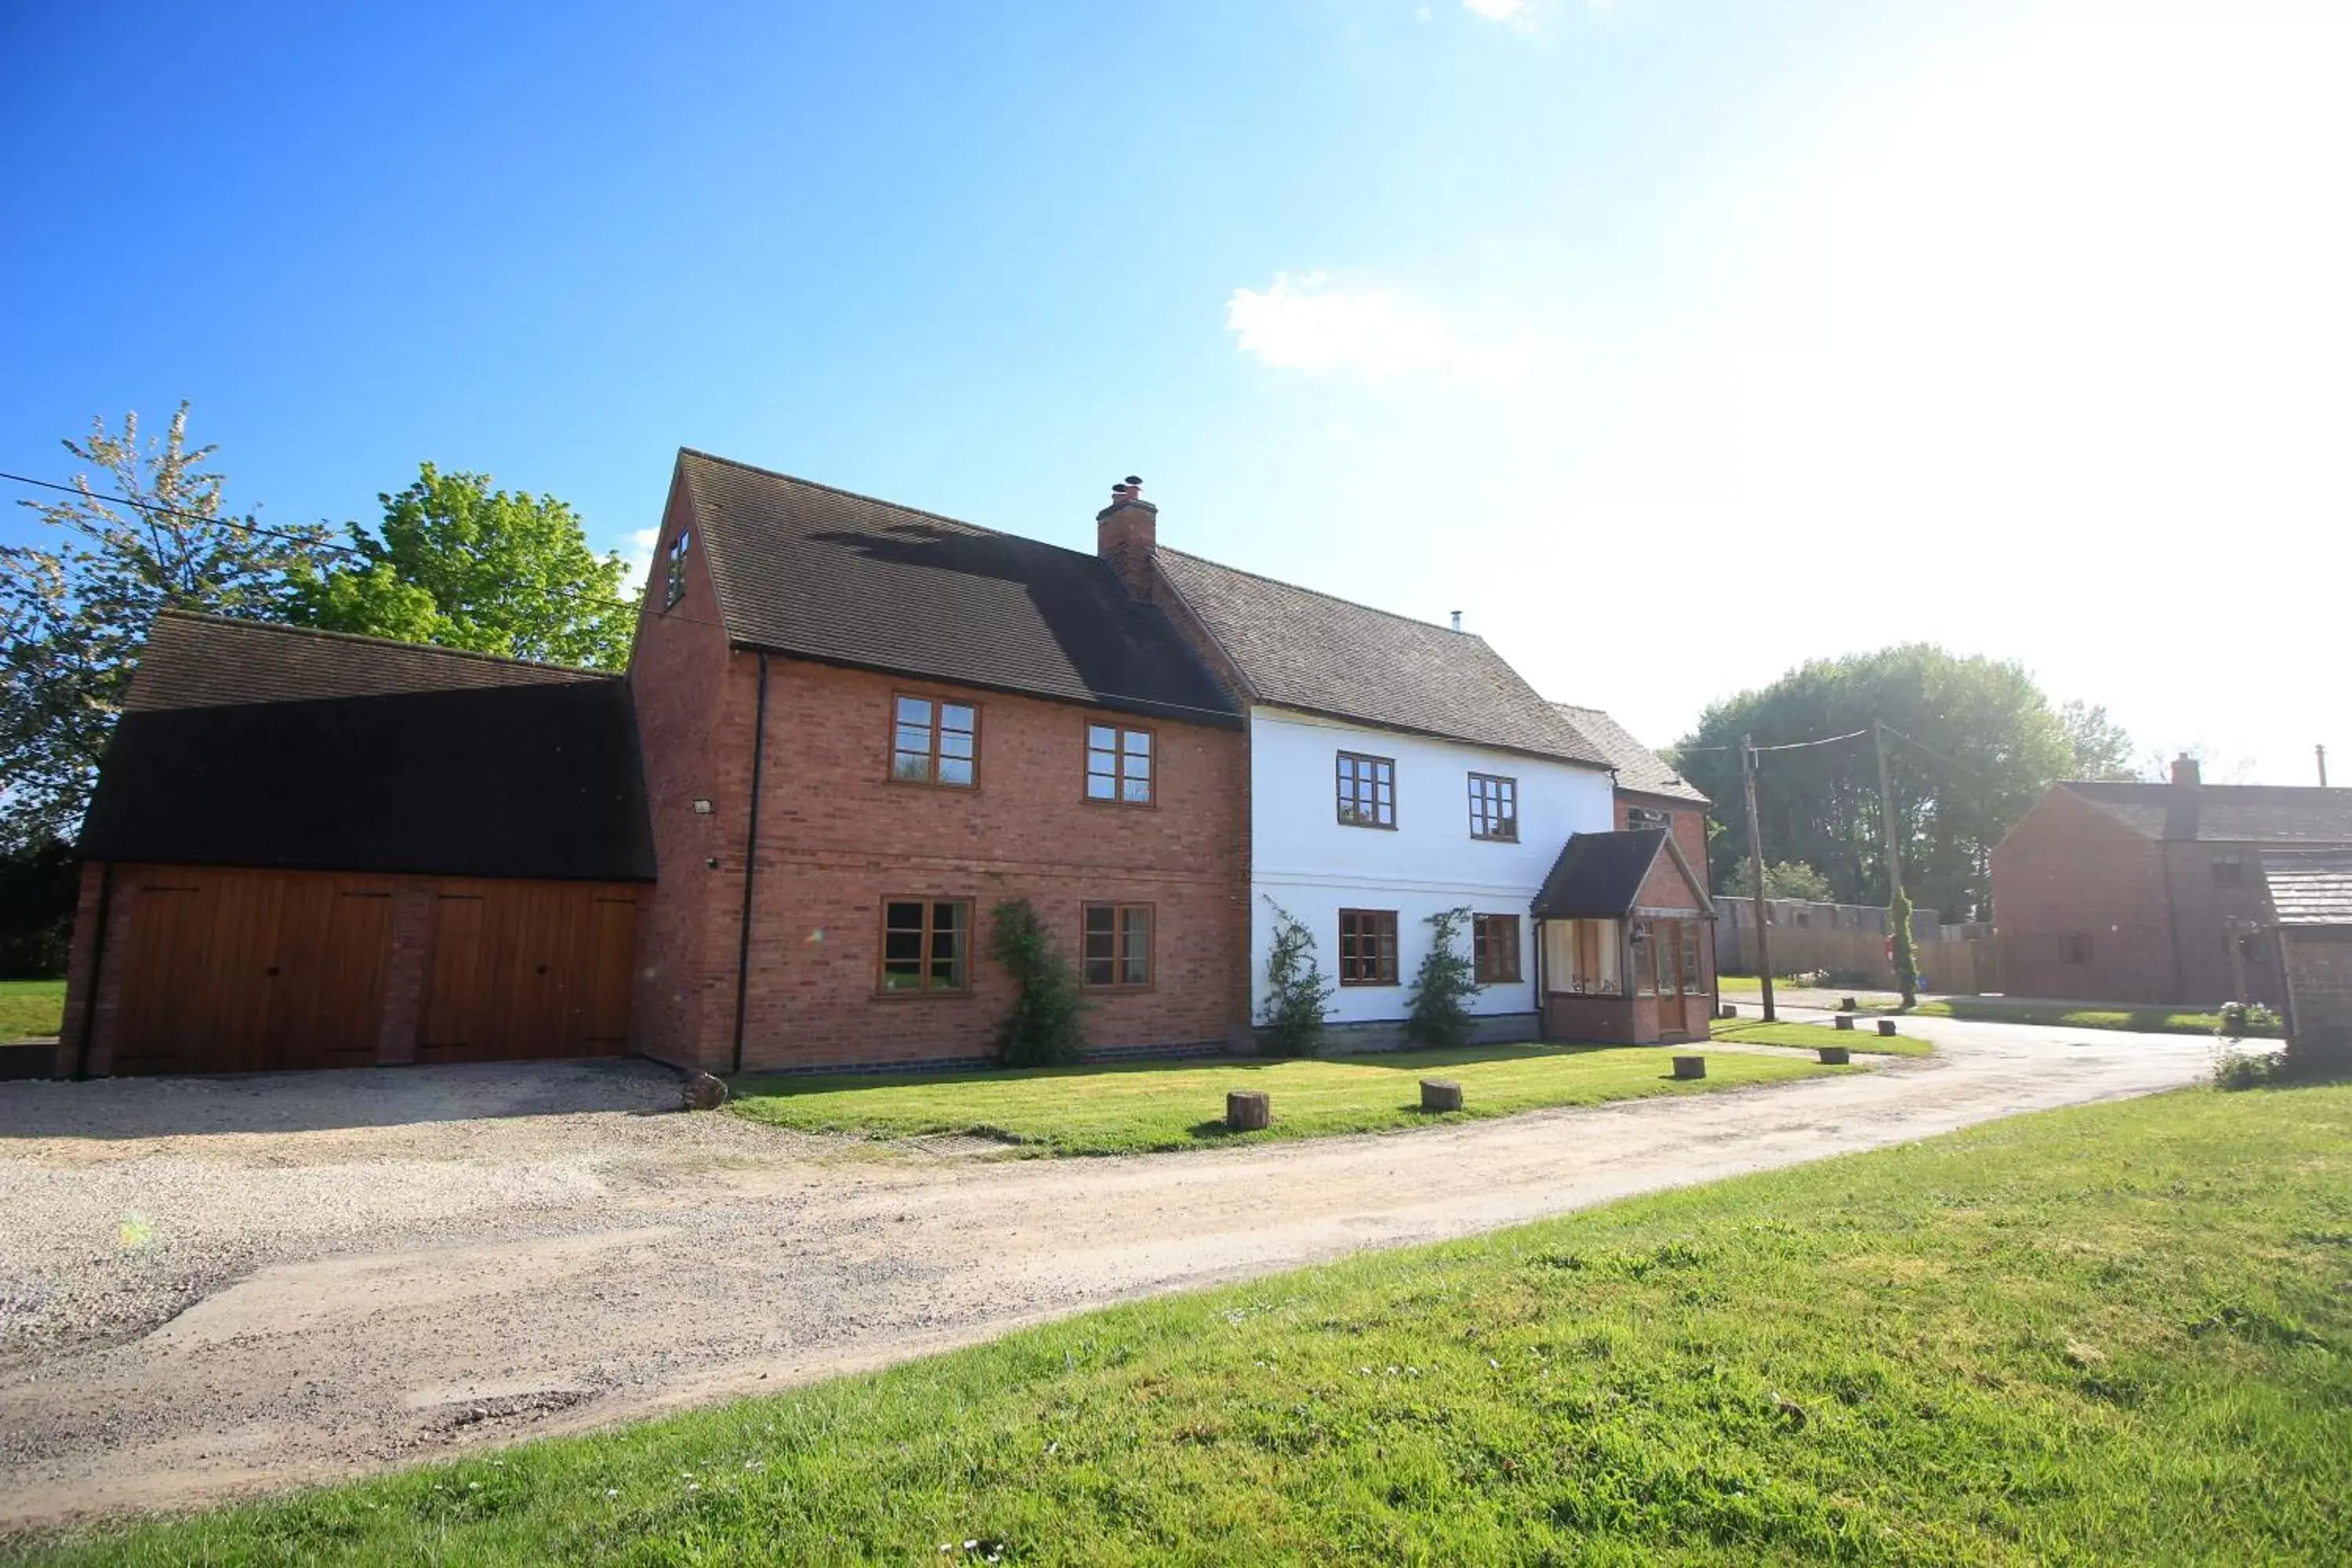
(2319, 974)
(1687, 822)
(837, 839)
(79, 959)
(2069, 870)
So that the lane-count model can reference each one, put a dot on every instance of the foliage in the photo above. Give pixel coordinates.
(1047, 1027)
(37, 891)
(1820, 805)
(2234, 1069)
(1786, 879)
(2117, 1334)
(456, 563)
(1132, 1108)
(2099, 746)
(1291, 1023)
(2236, 1020)
(72, 618)
(1907, 948)
(1438, 1016)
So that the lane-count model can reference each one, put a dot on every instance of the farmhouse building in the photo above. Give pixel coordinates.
(2310, 899)
(2153, 893)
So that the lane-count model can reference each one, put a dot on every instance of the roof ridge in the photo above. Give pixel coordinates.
(325, 635)
(2168, 784)
(1337, 599)
(882, 501)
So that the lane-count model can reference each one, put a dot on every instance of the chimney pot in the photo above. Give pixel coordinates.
(1457, 620)
(2185, 770)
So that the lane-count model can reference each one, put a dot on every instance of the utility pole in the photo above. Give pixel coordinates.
(2321, 752)
(1907, 979)
(1756, 870)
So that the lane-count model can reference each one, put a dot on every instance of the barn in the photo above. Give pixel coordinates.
(309, 849)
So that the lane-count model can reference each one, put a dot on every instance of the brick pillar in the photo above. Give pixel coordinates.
(404, 981)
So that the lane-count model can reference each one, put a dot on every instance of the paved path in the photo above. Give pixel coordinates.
(198, 1303)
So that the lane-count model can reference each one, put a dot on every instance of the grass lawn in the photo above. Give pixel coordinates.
(2115, 1334)
(1134, 1108)
(1809, 1036)
(2069, 1015)
(30, 1007)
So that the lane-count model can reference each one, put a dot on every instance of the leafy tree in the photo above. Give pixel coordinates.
(1296, 991)
(2102, 750)
(1988, 744)
(72, 618)
(1906, 949)
(1438, 1016)
(1786, 879)
(457, 563)
(1047, 1025)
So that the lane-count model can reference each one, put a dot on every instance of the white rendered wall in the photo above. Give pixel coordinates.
(1304, 861)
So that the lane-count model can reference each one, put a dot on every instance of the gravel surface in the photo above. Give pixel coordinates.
(215, 1286)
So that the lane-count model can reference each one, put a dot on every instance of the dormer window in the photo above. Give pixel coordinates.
(675, 580)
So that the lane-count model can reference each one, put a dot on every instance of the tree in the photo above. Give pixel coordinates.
(1983, 745)
(1047, 1025)
(72, 618)
(2102, 750)
(1788, 879)
(1438, 1016)
(460, 564)
(1295, 989)
(1907, 948)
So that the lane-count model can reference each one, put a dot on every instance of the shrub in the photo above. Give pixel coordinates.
(1439, 1015)
(1291, 1020)
(2234, 1069)
(2240, 1019)
(1047, 1025)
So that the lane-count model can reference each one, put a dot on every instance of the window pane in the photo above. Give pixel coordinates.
(912, 767)
(914, 710)
(955, 744)
(1140, 741)
(1102, 920)
(1138, 791)
(1101, 786)
(955, 716)
(955, 770)
(1102, 737)
(914, 738)
(1136, 948)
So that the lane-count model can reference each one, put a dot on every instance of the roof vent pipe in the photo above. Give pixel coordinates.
(1457, 620)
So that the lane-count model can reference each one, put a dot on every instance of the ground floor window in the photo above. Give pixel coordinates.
(1495, 947)
(1580, 958)
(1368, 947)
(1692, 984)
(2074, 949)
(1118, 945)
(1665, 958)
(925, 945)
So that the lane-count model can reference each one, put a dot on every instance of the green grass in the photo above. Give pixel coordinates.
(1139, 1106)
(29, 1007)
(1809, 1036)
(2119, 1334)
(2072, 1015)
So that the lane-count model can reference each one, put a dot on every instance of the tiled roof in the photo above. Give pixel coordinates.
(2225, 814)
(208, 661)
(1599, 876)
(821, 574)
(245, 744)
(1297, 648)
(1639, 769)
(2310, 890)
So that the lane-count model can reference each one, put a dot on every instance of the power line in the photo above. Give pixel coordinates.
(1800, 745)
(1980, 777)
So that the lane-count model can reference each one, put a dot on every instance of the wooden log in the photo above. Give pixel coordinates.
(1690, 1066)
(1440, 1094)
(1836, 1055)
(1886, 1025)
(1848, 1005)
(1248, 1110)
(1727, 1010)
(1845, 1020)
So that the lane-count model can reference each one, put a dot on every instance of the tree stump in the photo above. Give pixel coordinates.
(1690, 1066)
(1836, 1055)
(1844, 1020)
(1248, 1110)
(1886, 1025)
(702, 1092)
(1848, 1005)
(1727, 1010)
(1440, 1094)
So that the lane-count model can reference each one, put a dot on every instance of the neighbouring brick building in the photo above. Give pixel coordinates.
(2152, 893)
(2310, 899)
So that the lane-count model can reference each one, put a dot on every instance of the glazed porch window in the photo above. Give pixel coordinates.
(935, 742)
(1580, 958)
(925, 945)
(1118, 945)
(1119, 764)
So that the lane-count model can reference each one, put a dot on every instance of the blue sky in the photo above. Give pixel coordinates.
(1673, 343)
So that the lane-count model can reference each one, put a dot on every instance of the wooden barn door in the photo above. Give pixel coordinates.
(524, 971)
(235, 971)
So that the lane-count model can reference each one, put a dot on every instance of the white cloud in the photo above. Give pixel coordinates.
(1373, 334)
(640, 557)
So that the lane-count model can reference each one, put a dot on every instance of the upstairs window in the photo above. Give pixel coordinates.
(1495, 949)
(1366, 791)
(1118, 945)
(935, 742)
(1368, 947)
(1644, 816)
(1119, 764)
(926, 946)
(675, 578)
(2228, 870)
(1494, 808)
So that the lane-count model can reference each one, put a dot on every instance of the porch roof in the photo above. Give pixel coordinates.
(1599, 876)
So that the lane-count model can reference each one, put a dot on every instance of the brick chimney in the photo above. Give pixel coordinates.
(2185, 770)
(1125, 534)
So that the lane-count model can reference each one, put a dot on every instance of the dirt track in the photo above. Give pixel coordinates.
(216, 1286)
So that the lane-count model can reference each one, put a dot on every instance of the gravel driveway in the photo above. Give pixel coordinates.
(215, 1286)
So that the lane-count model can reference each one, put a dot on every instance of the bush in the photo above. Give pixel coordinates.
(1047, 1025)
(1439, 1015)
(2234, 1069)
(1292, 1021)
(2240, 1019)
